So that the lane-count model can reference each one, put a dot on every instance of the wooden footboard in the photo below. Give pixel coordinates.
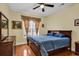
(35, 47)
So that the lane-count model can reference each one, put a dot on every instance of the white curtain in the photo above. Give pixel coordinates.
(31, 30)
(24, 31)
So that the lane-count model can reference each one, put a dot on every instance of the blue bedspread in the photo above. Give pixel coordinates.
(48, 43)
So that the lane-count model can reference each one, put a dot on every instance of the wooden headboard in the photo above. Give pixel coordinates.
(67, 33)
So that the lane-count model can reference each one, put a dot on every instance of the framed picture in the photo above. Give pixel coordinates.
(42, 25)
(4, 24)
(76, 22)
(16, 25)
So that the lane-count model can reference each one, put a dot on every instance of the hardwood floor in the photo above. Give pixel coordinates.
(25, 50)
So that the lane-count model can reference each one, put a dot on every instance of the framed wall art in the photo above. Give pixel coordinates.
(16, 25)
(42, 25)
(76, 22)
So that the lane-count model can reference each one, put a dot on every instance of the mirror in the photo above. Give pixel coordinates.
(4, 24)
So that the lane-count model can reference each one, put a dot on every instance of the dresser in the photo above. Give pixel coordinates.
(77, 48)
(7, 47)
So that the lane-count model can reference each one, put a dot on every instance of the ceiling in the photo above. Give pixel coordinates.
(28, 7)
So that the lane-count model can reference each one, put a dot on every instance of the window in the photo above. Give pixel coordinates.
(31, 30)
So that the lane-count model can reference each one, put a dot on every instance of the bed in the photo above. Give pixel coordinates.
(50, 44)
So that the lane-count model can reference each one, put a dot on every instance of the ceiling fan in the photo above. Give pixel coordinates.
(43, 5)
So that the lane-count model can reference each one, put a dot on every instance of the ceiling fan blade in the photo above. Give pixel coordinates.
(48, 5)
(43, 9)
(36, 7)
(40, 3)
(62, 3)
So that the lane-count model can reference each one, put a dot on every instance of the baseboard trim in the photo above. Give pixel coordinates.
(21, 44)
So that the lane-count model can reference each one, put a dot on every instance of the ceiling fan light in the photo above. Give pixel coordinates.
(42, 6)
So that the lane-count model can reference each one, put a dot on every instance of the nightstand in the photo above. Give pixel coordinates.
(77, 48)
